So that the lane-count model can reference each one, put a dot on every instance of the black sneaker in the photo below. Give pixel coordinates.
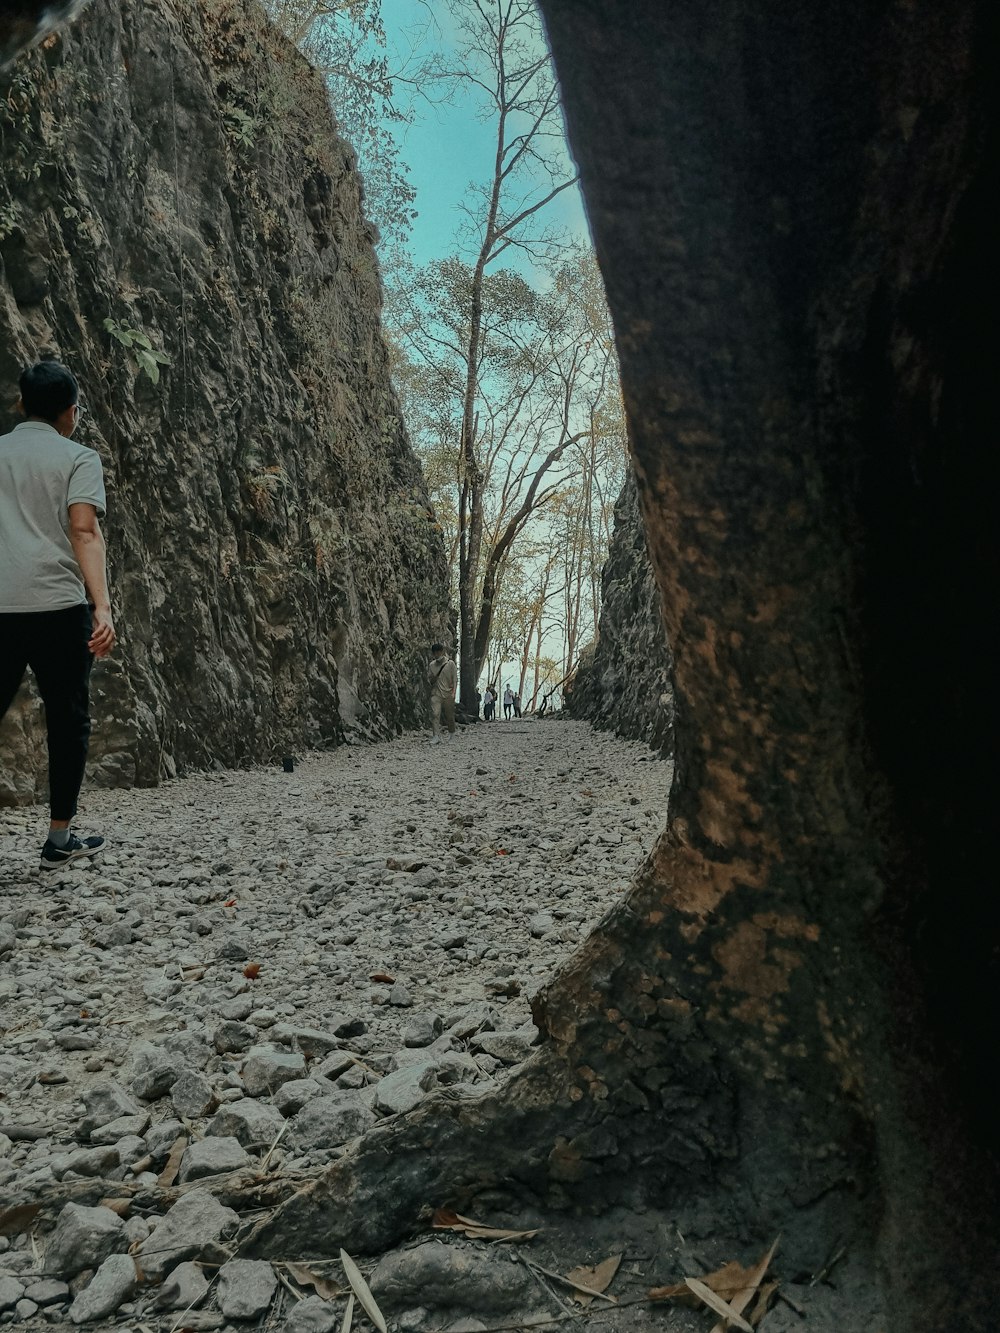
(53, 857)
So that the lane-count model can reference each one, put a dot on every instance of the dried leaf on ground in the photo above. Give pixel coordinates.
(445, 1220)
(15, 1220)
(122, 1207)
(734, 1283)
(716, 1303)
(169, 1173)
(598, 1278)
(385, 977)
(675, 1291)
(738, 1285)
(348, 1315)
(305, 1277)
(252, 971)
(763, 1301)
(361, 1289)
(568, 1282)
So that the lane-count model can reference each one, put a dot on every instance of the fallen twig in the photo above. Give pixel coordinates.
(741, 1298)
(792, 1304)
(716, 1303)
(829, 1266)
(553, 1295)
(286, 1284)
(577, 1286)
(267, 1156)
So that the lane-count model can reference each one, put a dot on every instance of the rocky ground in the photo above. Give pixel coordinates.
(261, 966)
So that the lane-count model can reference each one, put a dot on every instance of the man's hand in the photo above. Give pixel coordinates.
(103, 638)
(87, 541)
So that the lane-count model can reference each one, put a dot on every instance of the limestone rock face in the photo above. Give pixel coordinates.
(623, 682)
(171, 176)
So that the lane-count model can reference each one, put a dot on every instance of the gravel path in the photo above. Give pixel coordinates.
(298, 953)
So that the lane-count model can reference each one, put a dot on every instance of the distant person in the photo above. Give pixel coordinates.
(52, 561)
(443, 679)
(516, 705)
(489, 704)
(508, 701)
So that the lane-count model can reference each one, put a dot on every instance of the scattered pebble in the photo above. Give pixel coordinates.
(261, 965)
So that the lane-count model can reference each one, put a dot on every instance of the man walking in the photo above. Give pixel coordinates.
(52, 557)
(508, 702)
(443, 678)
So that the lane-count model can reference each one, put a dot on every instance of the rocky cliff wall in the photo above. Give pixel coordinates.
(171, 179)
(623, 683)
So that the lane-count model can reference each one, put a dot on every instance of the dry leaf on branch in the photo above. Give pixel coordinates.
(445, 1220)
(361, 1289)
(305, 1277)
(598, 1278)
(169, 1173)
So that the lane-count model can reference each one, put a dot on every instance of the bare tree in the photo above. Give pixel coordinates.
(505, 59)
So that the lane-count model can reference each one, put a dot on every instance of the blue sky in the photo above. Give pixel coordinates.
(447, 147)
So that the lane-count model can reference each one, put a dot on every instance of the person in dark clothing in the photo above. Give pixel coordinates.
(52, 558)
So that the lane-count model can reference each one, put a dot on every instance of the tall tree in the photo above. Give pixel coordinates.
(505, 61)
(548, 421)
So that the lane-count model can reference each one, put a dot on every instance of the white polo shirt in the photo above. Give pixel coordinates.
(41, 475)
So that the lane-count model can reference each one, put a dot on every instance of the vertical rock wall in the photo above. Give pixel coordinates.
(623, 682)
(172, 168)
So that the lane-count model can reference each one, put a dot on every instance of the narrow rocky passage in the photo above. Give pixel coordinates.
(267, 958)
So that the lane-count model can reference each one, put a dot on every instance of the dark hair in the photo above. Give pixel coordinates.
(436, 646)
(47, 389)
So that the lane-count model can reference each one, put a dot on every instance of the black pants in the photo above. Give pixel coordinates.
(54, 645)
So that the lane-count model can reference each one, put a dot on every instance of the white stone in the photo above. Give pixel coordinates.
(406, 1088)
(184, 1288)
(114, 1282)
(246, 1288)
(329, 1122)
(254, 1124)
(265, 1069)
(83, 1238)
(212, 1157)
(195, 1221)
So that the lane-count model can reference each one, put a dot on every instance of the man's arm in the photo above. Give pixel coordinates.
(87, 540)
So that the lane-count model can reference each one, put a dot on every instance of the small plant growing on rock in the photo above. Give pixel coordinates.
(265, 484)
(146, 356)
(241, 128)
(8, 219)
